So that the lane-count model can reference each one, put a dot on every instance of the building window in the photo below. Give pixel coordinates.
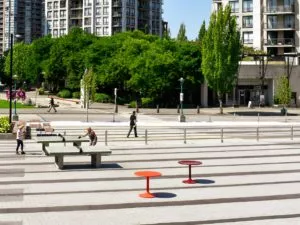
(55, 23)
(63, 23)
(234, 6)
(49, 5)
(98, 21)
(87, 12)
(105, 20)
(105, 2)
(55, 6)
(63, 13)
(55, 14)
(98, 31)
(87, 21)
(248, 6)
(49, 14)
(247, 22)
(88, 30)
(248, 37)
(105, 10)
(105, 30)
(63, 32)
(88, 2)
(55, 33)
(98, 11)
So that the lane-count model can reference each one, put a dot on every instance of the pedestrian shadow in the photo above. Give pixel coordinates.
(164, 195)
(204, 181)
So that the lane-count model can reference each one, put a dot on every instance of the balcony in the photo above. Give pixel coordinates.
(283, 9)
(280, 26)
(278, 42)
(247, 9)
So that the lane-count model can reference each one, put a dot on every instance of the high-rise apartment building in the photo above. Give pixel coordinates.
(22, 18)
(269, 25)
(103, 17)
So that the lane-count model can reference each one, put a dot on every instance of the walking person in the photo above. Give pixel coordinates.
(20, 137)
(132, 124)
(92, 135)
(52, 105)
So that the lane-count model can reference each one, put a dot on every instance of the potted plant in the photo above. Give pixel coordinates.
(283, 93)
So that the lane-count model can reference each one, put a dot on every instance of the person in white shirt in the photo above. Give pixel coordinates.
(20, 137)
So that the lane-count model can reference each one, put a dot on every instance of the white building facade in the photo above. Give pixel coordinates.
(103, 17)
(271, 26)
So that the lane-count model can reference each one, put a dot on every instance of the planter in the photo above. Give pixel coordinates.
(7, 136)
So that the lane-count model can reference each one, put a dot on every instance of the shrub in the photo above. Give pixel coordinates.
(4, 124)
(41, 91)
(132, 104)
(147, 102)
(64, 94)
(101, 97)
(76, 94)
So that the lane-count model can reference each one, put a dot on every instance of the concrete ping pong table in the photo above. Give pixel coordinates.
(96, 152)
(46, 140)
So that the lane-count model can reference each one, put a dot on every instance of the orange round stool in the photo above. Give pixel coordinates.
(147, 174)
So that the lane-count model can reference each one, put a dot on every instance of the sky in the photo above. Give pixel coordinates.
(190, 12)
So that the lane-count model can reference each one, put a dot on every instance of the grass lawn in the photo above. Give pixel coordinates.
(4, 104)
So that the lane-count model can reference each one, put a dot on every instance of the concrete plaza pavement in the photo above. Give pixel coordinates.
(241, 182)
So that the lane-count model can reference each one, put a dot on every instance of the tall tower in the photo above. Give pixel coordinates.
(103, 17)
(269, 25)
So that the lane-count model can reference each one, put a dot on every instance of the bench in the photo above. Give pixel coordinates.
(46, 140)
(96, 152)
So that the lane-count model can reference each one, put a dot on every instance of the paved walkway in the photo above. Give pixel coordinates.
(240, 182)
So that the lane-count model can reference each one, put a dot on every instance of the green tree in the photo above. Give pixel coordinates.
(181, 36)
(283, 91)
(221, 49)
(202, 32)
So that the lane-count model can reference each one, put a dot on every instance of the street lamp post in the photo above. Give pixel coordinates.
(15, 116)
(181, 116)
(11, 77)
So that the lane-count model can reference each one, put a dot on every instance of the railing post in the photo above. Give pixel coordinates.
(209, 119)
(105, 137)
(146, 137)
(157, 108)
(233, 116)
(65, 133)
(198, 109)
(292, 132)
(184, 135)
(257, 133)
(222, 137)
(177, 108)
(286, 116)
(257, 117)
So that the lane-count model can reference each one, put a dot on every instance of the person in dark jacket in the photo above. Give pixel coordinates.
(92, 135)
(132, 124)
(51, 105)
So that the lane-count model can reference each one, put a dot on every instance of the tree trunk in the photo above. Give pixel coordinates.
(221, 103)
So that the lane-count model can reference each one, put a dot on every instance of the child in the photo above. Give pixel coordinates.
(20, 137)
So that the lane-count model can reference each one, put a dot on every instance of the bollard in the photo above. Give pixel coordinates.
(146, 137)
(105, 136)
(198, 109)
(177, 108)
(257, 117)
(292, 132)
(222, 135)
(157, 108)
(184, 136)
(209, 119)
(257, 134)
